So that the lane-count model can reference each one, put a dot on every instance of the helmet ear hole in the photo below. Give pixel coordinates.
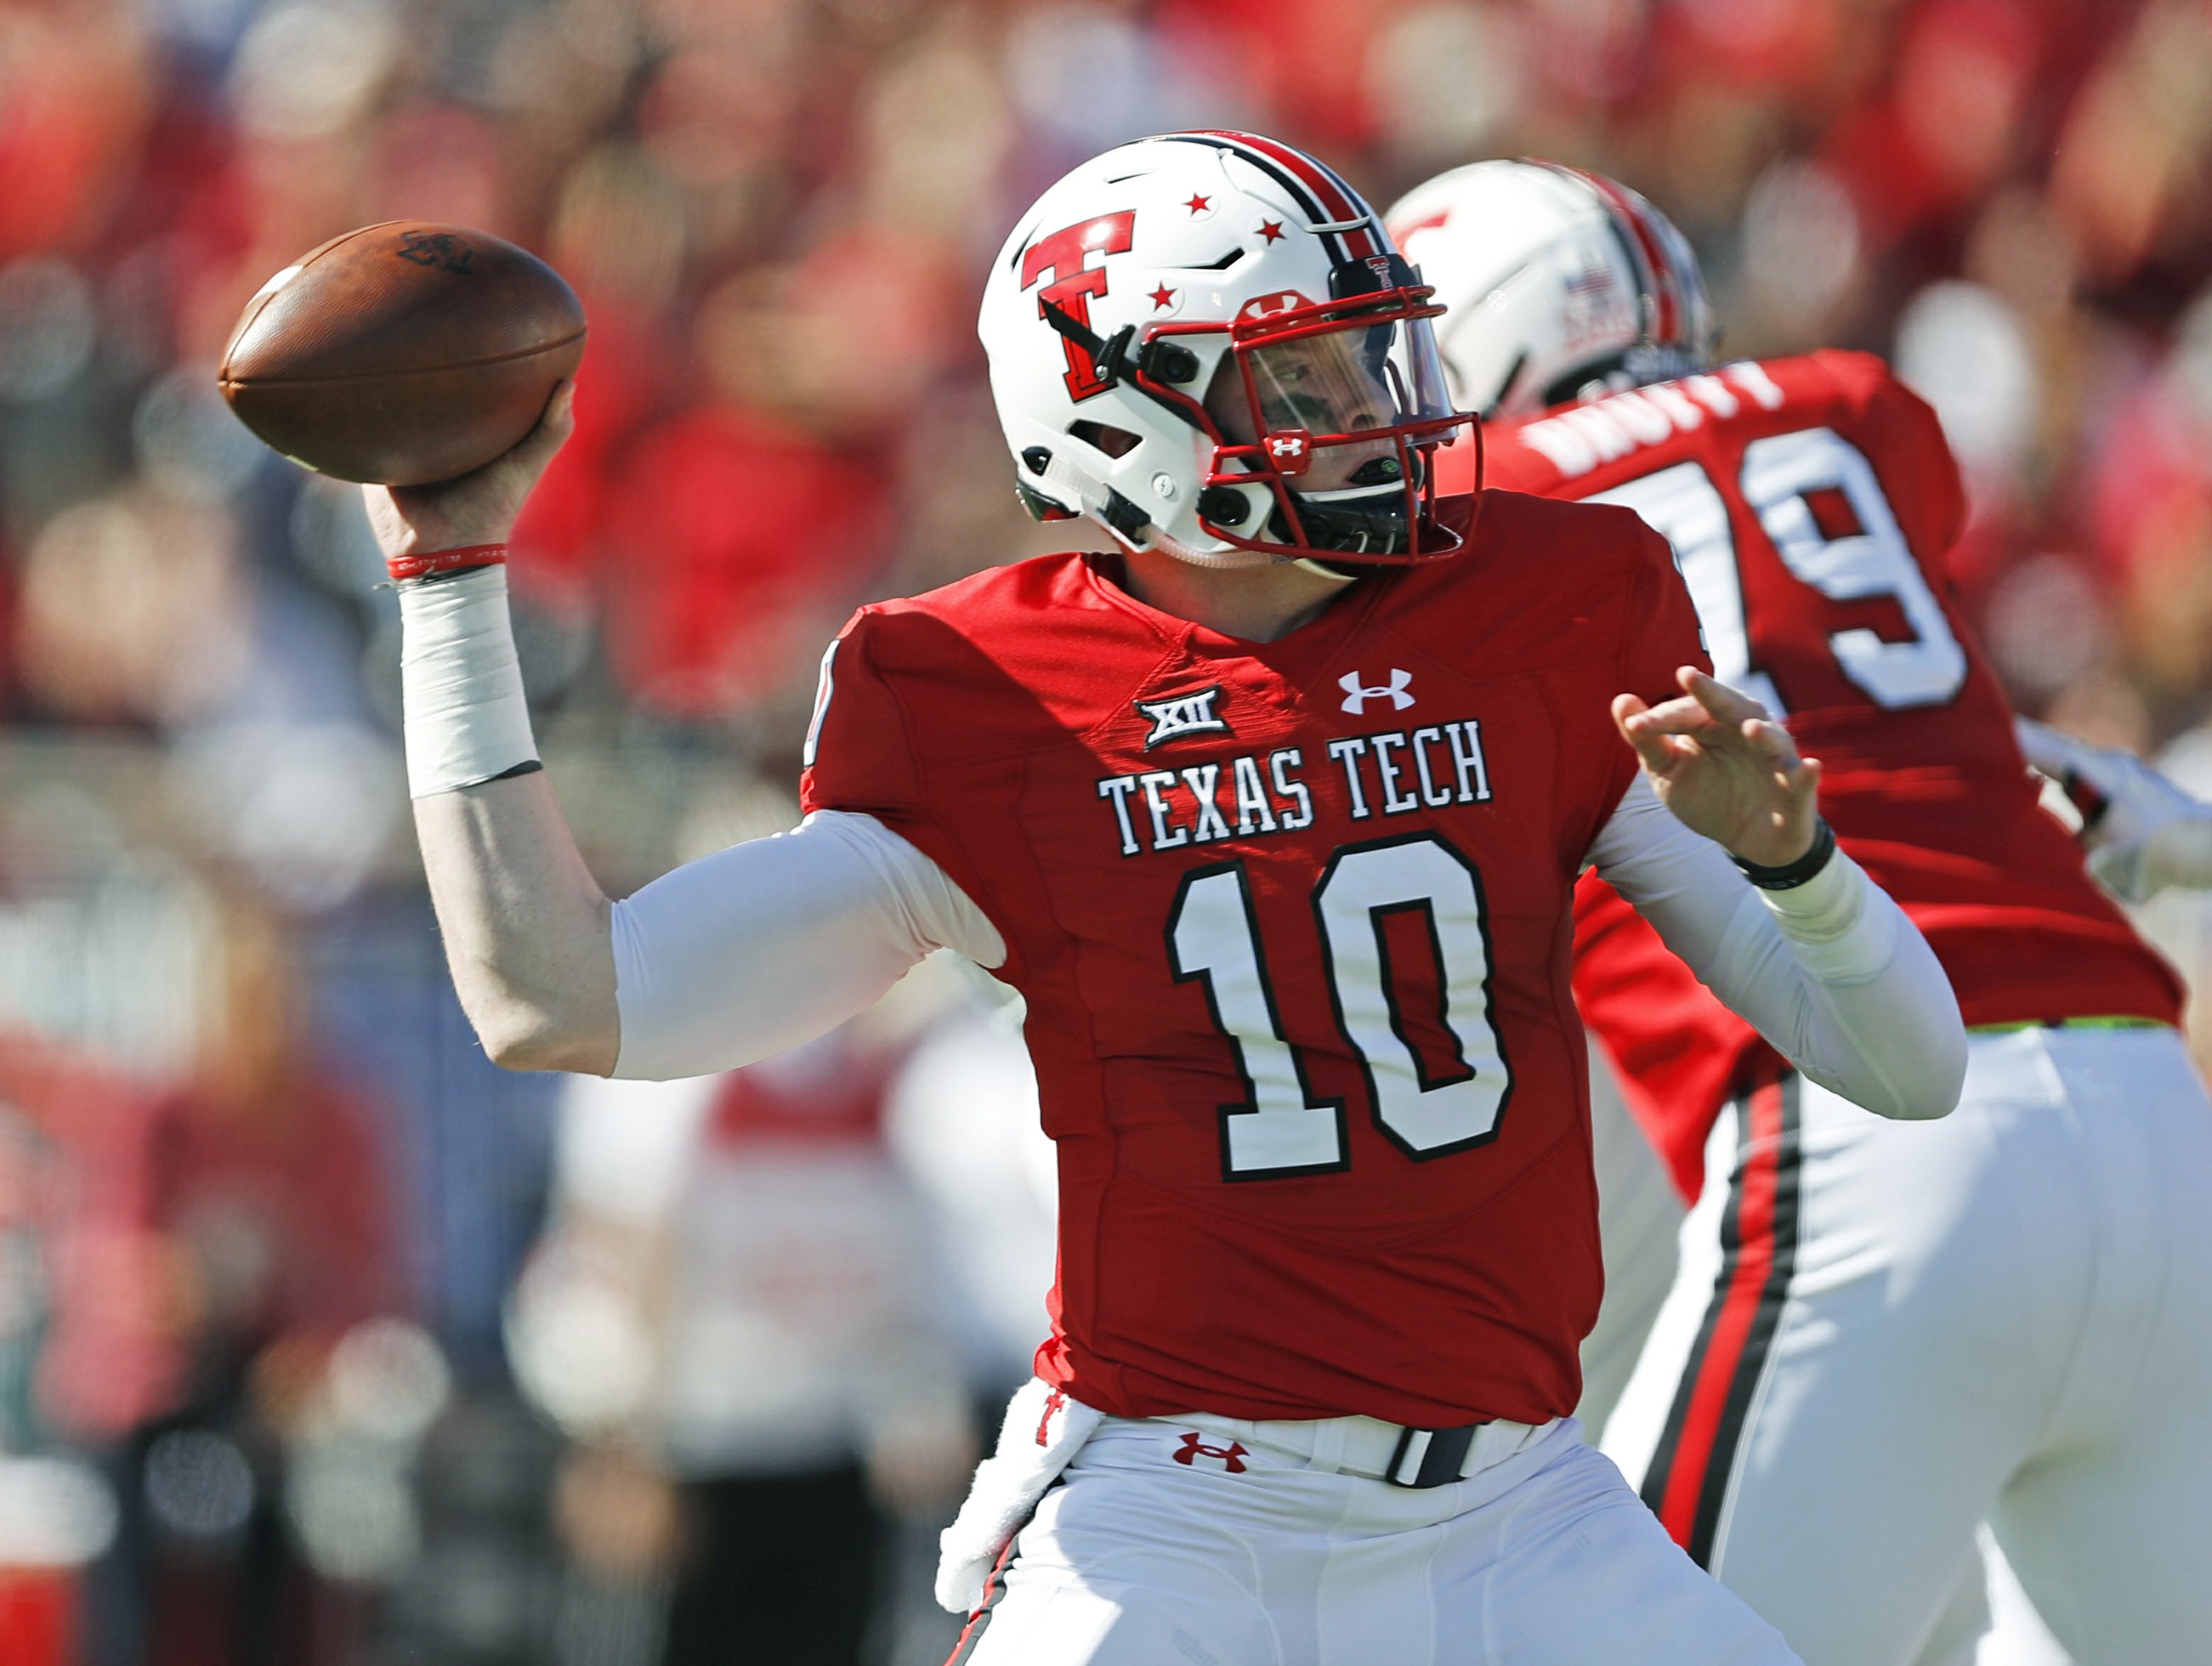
(1114, 442)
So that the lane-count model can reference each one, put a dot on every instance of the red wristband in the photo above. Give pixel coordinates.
(404, 568)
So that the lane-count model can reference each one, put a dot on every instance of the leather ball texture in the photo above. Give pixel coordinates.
(403, 352)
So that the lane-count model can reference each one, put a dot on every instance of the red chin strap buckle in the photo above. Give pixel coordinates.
(432, 563)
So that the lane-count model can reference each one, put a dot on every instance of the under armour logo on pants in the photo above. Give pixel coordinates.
(1193, 1447)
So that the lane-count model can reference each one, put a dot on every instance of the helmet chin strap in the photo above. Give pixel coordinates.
(1318, 563)
(1233, 560)
(1220, 561)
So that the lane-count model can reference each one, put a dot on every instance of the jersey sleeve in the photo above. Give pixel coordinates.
(1662, 636)
(1663, 632)
(858, 757)
(863, 754)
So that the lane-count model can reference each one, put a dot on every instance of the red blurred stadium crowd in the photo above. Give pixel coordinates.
(777, 213)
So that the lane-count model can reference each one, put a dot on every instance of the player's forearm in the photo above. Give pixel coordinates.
(1861, 1004)
(525, 926)
(1831, 972)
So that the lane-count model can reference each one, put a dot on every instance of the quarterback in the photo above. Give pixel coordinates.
(1272, 814)
(1878, 1337)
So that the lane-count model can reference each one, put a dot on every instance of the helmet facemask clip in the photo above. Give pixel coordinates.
(1157, 361)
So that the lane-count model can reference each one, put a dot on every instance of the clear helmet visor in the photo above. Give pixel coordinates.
(1334, 386)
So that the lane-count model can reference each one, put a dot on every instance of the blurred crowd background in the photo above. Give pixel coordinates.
(322, 1339)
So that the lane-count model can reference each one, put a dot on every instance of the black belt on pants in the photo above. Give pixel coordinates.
(1430, 1458)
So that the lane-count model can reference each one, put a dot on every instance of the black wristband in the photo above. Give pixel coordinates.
(1791, 875)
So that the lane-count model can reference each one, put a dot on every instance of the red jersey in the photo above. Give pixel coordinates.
(1810, 502)
(1292, 920)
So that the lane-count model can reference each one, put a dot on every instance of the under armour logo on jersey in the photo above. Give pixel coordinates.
(1193, 1447)
(1183, 714)
(1356, 693)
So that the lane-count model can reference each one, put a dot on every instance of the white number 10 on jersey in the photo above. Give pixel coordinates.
(1281, 1128)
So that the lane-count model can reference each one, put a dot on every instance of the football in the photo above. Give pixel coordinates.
(403, 352)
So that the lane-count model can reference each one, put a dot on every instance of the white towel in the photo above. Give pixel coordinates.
(1044, 1428)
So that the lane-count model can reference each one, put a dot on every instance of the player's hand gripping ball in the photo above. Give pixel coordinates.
(404, 353)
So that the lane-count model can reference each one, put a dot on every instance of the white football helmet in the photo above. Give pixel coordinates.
(1557, 283)
(1207, 342)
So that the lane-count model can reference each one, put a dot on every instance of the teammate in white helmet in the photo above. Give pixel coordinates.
(1557, 286)
(1878, 1336)
(1272, 813)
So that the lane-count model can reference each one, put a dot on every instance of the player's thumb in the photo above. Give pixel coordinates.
(519, 469)
(552, 431)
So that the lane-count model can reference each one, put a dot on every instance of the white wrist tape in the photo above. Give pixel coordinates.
(460, 685)
(1842, 929)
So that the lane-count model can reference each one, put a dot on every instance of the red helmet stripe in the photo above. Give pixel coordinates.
(1667, 282)
(1427, 222)
(1665, 289)
(1338, 200)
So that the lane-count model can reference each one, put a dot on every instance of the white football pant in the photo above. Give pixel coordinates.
(1988, 1621)
(1218, 1542)
(1884, 1332)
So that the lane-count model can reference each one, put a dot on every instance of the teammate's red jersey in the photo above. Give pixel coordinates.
(1810, 502)
(1293, 923)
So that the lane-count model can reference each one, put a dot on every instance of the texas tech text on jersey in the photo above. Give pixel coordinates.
(1389, 774)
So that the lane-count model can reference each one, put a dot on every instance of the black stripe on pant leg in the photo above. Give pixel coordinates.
(1662, 1467)
(1751, 1369)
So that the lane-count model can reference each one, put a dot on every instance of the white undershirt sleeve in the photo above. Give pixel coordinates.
(770, 943)
(1832, 973)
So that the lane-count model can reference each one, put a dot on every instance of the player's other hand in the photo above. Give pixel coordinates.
(477, 508)
(2141, 832)
(1726, 769)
